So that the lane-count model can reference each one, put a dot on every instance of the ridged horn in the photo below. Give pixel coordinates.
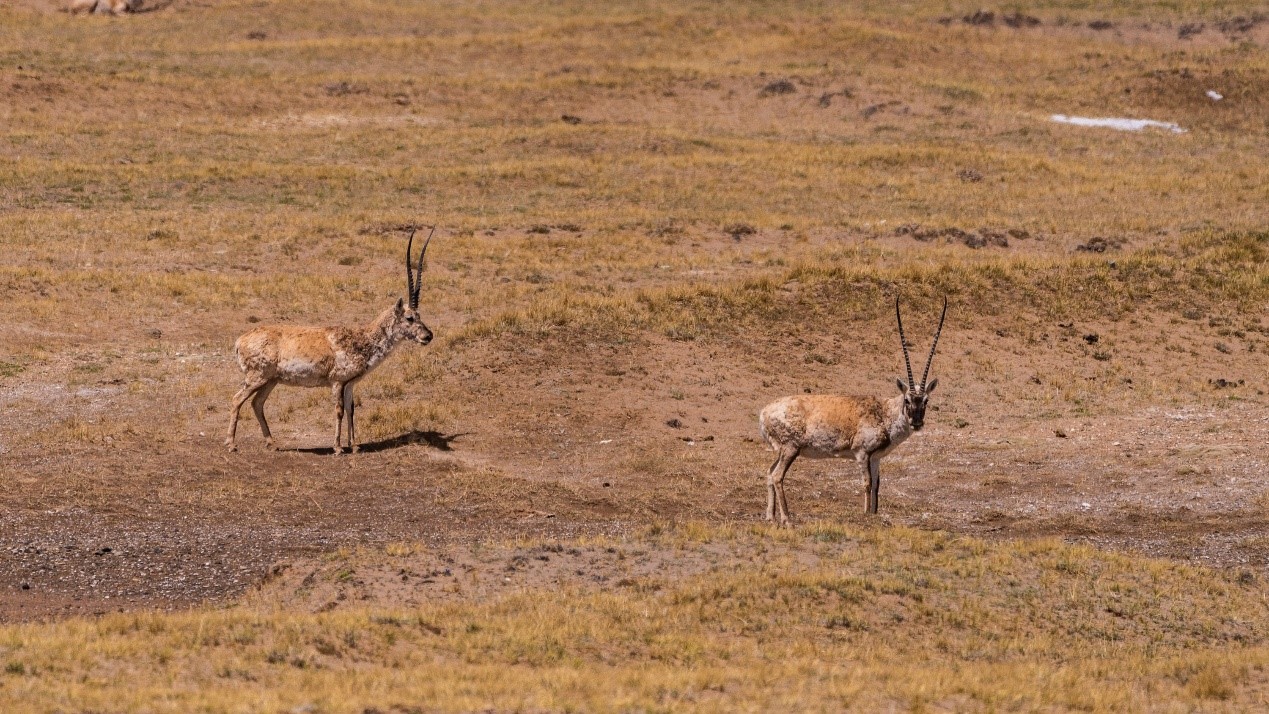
(937, 332)
(409, 276)
(416, 283)
(903, 342)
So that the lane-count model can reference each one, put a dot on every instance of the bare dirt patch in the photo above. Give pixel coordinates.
(114, 510)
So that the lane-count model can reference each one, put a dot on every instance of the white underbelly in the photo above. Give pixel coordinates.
(812, 453)
(302, 373)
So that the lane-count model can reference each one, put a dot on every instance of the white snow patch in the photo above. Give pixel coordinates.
(1214, 95)
(1117, 123)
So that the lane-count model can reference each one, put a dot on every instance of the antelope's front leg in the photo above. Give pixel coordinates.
(862, 460)
(874, 483)
(338, 390)
(351, 409)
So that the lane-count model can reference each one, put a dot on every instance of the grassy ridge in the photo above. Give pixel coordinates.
(882, 618)
(1230, 270)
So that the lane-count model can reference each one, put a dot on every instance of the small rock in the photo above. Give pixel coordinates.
(980, 18)
(1059, 433)
(1189, 30)
(1018, 19)
(780, 86)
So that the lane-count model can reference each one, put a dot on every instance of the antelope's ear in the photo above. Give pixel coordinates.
(902, 387)
(930, 387)
(400, 305)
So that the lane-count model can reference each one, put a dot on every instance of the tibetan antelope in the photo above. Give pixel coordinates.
(831, 426)
(336, 357)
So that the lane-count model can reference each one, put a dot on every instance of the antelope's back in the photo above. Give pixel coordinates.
(256, 349)
(297, 355)
(820, 423)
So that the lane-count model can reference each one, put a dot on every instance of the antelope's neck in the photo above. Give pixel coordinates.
(897, 424)
(380, 339)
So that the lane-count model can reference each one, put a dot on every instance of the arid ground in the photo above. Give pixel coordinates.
(651, 219)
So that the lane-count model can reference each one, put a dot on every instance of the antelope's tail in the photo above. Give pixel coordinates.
(762, 429)
(242, 363)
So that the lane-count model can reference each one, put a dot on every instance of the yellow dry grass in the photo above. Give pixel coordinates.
(874, 619)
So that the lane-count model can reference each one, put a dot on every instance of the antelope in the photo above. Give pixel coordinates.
(335, 357)
(832, 426)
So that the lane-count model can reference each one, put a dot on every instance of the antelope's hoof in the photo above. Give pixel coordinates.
(268, 444)
(231, 446)
(354, 449)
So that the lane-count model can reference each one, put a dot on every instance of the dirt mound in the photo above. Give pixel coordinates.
(982, 238)
(987, 18)
(1097, 244)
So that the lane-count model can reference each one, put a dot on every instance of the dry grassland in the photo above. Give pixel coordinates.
(654, 217)
(825, 619)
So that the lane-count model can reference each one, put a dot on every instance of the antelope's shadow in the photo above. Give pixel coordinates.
(434, 439)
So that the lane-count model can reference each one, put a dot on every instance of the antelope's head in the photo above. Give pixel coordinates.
(916, 396)
(409, 324)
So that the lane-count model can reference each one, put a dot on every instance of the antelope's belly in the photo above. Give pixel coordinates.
(827, 443)
(811, 452)
(303, 373)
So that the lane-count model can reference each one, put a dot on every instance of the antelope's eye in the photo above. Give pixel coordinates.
(410, 318)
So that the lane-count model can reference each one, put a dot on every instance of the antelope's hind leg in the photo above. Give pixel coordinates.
(771, 490)
(776, 478)
(338, 391)
(257, 405)
(249, 387)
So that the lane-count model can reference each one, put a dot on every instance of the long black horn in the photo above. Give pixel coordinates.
(418, 276)
(937, 332)
(409, 277)
(903, 341)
